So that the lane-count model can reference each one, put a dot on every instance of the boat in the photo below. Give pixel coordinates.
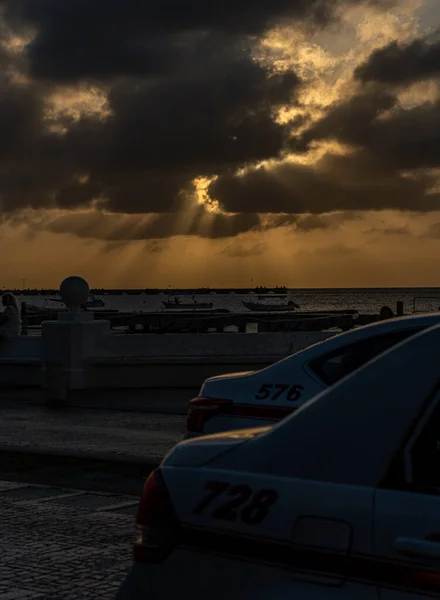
(34, 309)
(271, 295)
(280, 290)
(94, 302)
(177, 303)
(265, 307)
(91, 302)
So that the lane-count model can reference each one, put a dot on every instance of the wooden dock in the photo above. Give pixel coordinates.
(177, 321)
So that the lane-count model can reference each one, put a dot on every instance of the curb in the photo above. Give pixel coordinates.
(10, 451)
(22, 456)
(81, 472)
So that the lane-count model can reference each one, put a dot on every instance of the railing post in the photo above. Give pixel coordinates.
(69, 340)
(24, 323)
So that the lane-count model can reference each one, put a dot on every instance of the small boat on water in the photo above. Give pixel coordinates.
(94, 302)
(177, 303)
(278, 291)
(266, 307)
(91, 302)
(271, 295)
(34, 309)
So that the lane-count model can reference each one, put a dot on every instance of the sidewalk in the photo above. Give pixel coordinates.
(60, 543)
(31, 427)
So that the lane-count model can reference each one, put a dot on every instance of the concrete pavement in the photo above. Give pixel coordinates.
(59, 544)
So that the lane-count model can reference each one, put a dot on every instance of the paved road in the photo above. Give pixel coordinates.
(115, 434)
(59, 544)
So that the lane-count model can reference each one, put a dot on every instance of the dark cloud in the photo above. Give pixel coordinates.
(388, 136)
(272, 221)
(228, 225)
(216, 115)
(315, 222)
(160, 136)
(20, 105)
(102, 38)
(410, 137)
(76, 194)
(113, 228)
(400, 64)
(198, 121)
(186, 99)
(308, 222)
(353, 121)
(341, 185)
(20, 110)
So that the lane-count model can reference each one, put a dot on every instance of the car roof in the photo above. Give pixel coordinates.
(349, 433)
(365, 332)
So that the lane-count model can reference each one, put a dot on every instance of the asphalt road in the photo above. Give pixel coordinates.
(132, 428)
(99, 448)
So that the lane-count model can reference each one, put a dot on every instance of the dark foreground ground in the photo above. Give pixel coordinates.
(101, 441)
(70, 479)
(63, 544)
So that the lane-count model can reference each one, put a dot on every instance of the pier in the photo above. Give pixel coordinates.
(174, 321)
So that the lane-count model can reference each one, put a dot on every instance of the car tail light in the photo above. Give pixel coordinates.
(201, 410)
(156, 522)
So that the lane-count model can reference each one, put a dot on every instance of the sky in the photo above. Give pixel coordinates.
(265, 142)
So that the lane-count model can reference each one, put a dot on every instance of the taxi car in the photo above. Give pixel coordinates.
(341, 500)
(254, 399)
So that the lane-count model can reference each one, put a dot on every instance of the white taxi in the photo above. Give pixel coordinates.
(263, 397)
(341, 500)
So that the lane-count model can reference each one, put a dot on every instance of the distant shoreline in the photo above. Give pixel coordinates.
(222, 291)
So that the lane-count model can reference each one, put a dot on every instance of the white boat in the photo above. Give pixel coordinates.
(177, 303)
(91, 302)
(33, 308)
(262, 306)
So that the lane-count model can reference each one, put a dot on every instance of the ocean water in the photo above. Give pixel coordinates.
(366, 301)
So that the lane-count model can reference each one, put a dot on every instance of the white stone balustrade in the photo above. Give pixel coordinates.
(70, 340)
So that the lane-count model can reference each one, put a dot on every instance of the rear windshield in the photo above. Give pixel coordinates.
(332, 367)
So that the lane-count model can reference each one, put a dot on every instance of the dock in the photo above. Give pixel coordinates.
(179, 321)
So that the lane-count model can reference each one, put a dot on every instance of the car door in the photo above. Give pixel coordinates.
(406, 564)
(257, 536)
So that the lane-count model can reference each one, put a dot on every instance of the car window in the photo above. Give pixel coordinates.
(332, 367)
(424, 457)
